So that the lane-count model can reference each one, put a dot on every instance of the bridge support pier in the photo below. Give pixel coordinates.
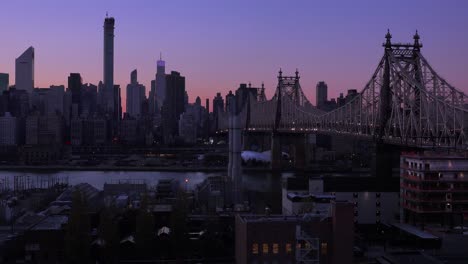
(300, 151)
(276, 155)
(235, 163)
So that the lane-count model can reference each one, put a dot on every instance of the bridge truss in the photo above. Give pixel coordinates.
(405, 102)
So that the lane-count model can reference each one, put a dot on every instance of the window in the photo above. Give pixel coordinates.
(265, 248)
(275, 248)
(255, 248)
(324, 248)
(288, 248)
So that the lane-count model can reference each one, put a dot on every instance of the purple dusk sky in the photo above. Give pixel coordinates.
(218, 44)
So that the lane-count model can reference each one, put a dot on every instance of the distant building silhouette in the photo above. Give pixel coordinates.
(74, 85)
(88, 100)
(218, 104)
(108, 77)
(8, 127)
(135, 96)
(24, 71)
(160, 84)
(321, 94)
(4, 82)
(229, 99)
(173, 106)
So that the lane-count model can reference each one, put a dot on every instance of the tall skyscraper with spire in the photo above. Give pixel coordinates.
(160, 81)
(108, 77)
(24, 71)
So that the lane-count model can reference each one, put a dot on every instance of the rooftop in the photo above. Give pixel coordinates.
(53, 222)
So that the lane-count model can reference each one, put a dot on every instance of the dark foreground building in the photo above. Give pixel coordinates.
(314, 238)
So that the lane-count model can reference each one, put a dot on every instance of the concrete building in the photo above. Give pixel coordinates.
(312, 238)
(230, 98)
(108, 72)
(160, 84)
(74, 85)
(374, 202)
(213, 194)
(88, 101)
(16, 102)
(55, 99)
(244, 92)
(321, 91)
(24, 71)
(8, 133)
(136, 95)
(129, 130)
(91, 131)
(44, 129)
(173, 105)
(188, 127)
(218, 104)
(434, 188)
(4, 82)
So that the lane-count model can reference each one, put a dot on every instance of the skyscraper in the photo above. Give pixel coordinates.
(8, 131)
(109, 23)
(321, 94)
(4, 82)
(134, 77)
(74, 85)
(161, 82)
(152, 103)
(24, 71)
(135, 96)
(218, 104)
(173, 106)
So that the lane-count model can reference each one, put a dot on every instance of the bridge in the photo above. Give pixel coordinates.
(405, 102)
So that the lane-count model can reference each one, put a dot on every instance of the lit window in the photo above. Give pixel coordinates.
(288, 248)
(275, 248)
(324, 248)
(265, 248)
(255, 248)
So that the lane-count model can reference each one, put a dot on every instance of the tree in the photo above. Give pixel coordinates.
(77, 238)
(144, 233)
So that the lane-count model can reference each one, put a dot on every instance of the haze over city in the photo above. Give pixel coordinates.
(218, 45)
(332, 132)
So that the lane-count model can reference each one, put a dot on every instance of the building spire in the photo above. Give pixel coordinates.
(107, 14)
(160, 55)
(416, 38)
(388, 43)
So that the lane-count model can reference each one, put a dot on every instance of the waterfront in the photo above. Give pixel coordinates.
(262, 187)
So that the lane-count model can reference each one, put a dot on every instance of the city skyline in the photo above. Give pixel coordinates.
(191, 37)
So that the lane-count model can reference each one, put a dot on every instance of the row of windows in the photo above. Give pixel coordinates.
(355, 195)
(287, 248)
(274, 248)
